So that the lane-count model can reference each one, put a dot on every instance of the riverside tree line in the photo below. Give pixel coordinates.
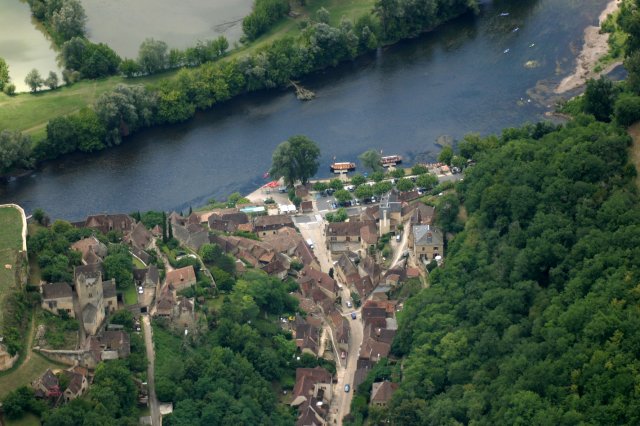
(127, 108)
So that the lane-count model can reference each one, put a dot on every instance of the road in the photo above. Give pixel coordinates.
(156, 419)
(312, 227)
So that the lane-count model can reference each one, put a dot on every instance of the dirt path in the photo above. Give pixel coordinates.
(595, 46)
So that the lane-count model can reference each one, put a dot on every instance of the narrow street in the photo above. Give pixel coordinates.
(156, 419)
(312, 227)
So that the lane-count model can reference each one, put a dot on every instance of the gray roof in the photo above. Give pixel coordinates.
(427, 235)
(89, 314)
(56, 291)
(109, 288)
(390, 203)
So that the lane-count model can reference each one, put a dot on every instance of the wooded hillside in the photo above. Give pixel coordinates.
(534, 318)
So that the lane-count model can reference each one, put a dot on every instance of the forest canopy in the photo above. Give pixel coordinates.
(534, 318)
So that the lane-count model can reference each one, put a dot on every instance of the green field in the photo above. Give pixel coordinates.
(30, 112)
(10, 244)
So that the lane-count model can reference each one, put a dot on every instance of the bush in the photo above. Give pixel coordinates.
(627, 110)
(9, 89)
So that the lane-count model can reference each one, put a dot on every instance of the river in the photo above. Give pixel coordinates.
(23, 44)
(454, 81)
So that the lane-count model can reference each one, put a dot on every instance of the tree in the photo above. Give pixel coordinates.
(320, 186)
(39, 216)
(405, 184)
(129, 68)
(125, 110)
(295, 159)
(377, 176)
(33, 80)
(4, 74)
(15, 151)
(342, 196)
(419, 169)
(340, 215)
(358, 179)
(627, 110)
(118, 265)
(382, 187)
(364, 191)
(398, 173)
(69, 20)
(446, 155)
(152, 56)
(336, 184)
(52, 81)
(371, 160)
(426, 181)
(598, 98)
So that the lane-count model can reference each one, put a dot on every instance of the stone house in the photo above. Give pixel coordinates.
(47, 385)
(139, 237)
(307, 336)
(147, 277)
(320, 280)
(78, 384)
(109, 345)
(342, 237)
(56, 297)
(341, 331)
(264, 225)
(109, 222)
(381, 393)
(227, 220)
(427, 242)
(192, 235)
(182, 278)
(312, 394)
(93, 251)
(184, 313)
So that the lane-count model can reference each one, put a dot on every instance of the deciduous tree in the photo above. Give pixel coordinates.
(295, 159)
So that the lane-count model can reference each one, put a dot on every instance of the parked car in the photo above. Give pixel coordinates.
(347, 388)
(330, 191)
(140, 290)
(350, 188)
(349, 304)
(343, 355)
(282, 189)
(353, 315)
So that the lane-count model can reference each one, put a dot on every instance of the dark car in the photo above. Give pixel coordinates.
(353, 315)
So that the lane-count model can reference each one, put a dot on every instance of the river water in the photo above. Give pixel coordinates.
(400, 99)
(23, 45)
(124, 24)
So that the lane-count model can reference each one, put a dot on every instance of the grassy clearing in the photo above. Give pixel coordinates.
(10, 244)
(26, 373)
(30, 112)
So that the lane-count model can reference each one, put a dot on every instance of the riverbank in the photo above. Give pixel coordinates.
(30, 113)
(595, 46)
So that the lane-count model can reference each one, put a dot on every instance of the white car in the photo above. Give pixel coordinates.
(349, 304)
(140, 290)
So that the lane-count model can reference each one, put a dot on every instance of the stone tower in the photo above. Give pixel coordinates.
(91, 298)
